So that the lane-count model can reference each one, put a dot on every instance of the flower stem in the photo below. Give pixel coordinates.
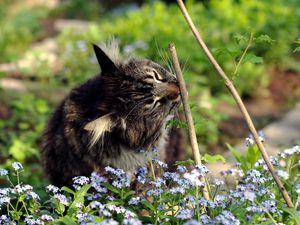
(152, 170)
(244, 53)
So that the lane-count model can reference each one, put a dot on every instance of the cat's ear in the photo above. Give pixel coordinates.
(106, 64)
(98, 127)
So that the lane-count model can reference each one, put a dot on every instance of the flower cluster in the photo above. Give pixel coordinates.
(171, 198)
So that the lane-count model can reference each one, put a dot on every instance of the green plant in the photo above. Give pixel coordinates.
(18, 30)
(171, 198)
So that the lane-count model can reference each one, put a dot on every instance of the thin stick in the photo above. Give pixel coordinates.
(239, 102)
(188, 114)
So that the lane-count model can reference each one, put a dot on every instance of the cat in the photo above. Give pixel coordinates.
(117, 118)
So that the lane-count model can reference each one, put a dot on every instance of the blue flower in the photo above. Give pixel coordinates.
(113, 171)
(62, 199)
(171, 176)
(109, 222)
(160, 163)
(249, 195)
(33, 221)
(4, 200)
(121, 182)
(202, 170)
(250, 139)
(254, 209)
(191, 200)
(155, 192)
(182, 169)
(132, 221)
(3, 172)
(32, 195)
(175, 190)
(269, 206)
(141, 174)
(283, 174)
(96, 181)
(220, 201)
(219, 182)
(135, 200)
(226, 218)
(159, 182)
(185, 214)
(53, 189)
(205, 219)
(46, 218)
(192, 222)
(5, 191)
(85, 218)
(194, 178)
(5, 220)
(17, 166)
(79, 181)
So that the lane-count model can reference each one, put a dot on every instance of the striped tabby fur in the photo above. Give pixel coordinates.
(117, 119)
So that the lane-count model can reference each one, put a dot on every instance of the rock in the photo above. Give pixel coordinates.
(77, 25)
(12, 84)
(42, 54)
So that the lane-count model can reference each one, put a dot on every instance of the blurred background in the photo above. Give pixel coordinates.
(46, 50)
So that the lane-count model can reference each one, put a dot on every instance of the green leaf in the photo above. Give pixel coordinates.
(253, 154)
(185, 162)
(177, 123)
(225, 51)
(79, 196)
(293, 213)
(237, 155)
(116, 202)
(66, 189)
(111, 188)
(148, 205)
(264, 39)
(253, 58)
(240, 38)
(65, 220)
(126, 195)
(213, 158)
(60, 208)
(297, 49)
(240, 158)
(20, 150)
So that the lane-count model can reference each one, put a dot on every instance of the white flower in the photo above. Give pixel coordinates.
(283, 174)
(193, 177)
(17, 166)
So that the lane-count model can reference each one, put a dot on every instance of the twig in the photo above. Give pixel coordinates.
(188, 114)
(239, 102)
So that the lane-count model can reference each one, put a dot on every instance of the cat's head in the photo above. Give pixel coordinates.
(139, 95)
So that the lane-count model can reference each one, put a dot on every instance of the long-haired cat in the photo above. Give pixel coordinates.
(117, 118)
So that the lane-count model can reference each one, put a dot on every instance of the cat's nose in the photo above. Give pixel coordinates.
(169, 91)
(173, 91)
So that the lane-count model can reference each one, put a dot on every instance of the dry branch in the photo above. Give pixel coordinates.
(188, 114)
(239, 102)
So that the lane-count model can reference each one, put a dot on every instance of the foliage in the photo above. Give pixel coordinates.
(248, 38)
(20, 135)
(242, 57)
(78, 9)
(172, 198)
(19, 28)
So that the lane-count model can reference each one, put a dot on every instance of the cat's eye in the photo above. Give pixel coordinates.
(154, 75)
(158, 77)
(149, 101)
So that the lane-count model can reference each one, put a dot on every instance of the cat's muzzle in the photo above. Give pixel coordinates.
(173, 92)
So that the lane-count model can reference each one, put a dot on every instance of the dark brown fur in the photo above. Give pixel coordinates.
(132, 104)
